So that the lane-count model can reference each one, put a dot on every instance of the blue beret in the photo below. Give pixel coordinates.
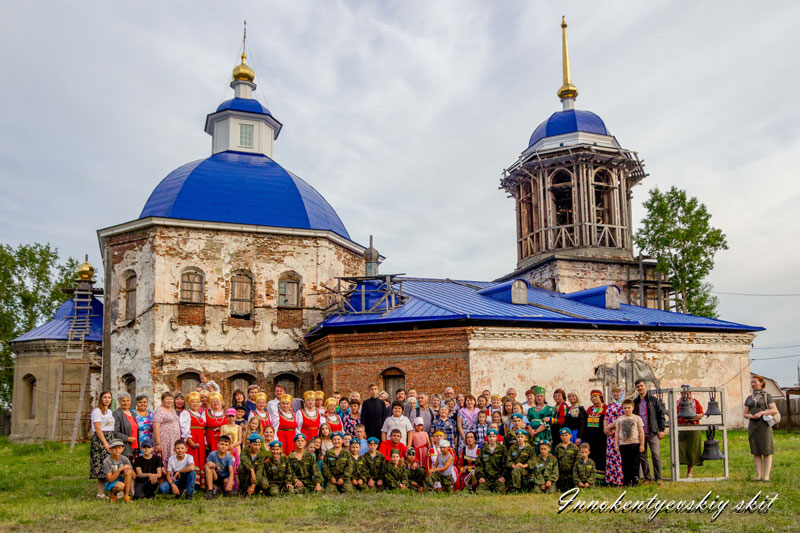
(492, 432)
(255, 437)
(275, 443)
(516, 415)
(298, 436)
(520, 432)
(337, 434)
(355, 441)
(376, 440)
(565, 430)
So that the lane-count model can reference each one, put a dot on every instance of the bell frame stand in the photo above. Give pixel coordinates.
(674, 452)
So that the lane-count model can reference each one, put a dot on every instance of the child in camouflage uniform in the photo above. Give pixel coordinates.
(396, 474)
(372, 465)
(491, 466)
(416, 474)
(567, 453)
(357, 479)
(252, 476)
(545, 469)
(519, 456)
(304, 473)
(337, 467)
(277, 470)
(583, 473)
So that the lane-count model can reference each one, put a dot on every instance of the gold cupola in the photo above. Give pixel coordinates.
(85, 271)
(243, 72)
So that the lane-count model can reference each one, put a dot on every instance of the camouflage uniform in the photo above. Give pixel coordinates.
(394, 475)
(358, 473)
(256, 464)
(372, 468)
(583, 472)
(566, 460)
(416, 475)
(525, 456)
(306, 470)
(278, 475)
(340, 466)
(544, 470)
(491, 466)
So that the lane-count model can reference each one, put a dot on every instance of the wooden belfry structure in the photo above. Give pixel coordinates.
(572, 189)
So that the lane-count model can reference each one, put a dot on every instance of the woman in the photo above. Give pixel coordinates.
(166, 427)
(330, 417)
(103, 433)
(179, 402)
(613, 459)
(482, 403)
(467, 420)
(384, 397)
(508, 409)
(466, 462)
(215, 419)
(576, 417)
(560, 413)
(319, 402)
(460, 399)
(237, 398)
(193, 431)
(758, 405)
(436, 401)
(540, 415)
(144, 418)
(495, 405)
(308, 417)
(593, 431)
(125, 427)
(352, 417)
(690, 443)
(285, 426)
(325, 439)
(260, 412)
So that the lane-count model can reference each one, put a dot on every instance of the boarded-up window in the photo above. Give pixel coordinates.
(192, 287)
(130, 297)
(188, 382)
(290, 383)
(241, 296)
(288, 293)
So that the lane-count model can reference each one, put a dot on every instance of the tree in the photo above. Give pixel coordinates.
(678, 233)
(31, 279)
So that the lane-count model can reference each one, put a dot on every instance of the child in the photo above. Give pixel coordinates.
(276, 468)
(583, 473)
(250, 404)
(567, 453)
(629, 442)
(361, 434)
(234, 432)
(219, 469)
(313, 448)
(420, 440)
(393, 444)
(358, 466)
(253, 427)
(207, 383)
(481, 427)
(519, 457)
(416, 474)
(241, 415)
(118, 471)
(325, 441)
(396, 474)
(148, 471)
(373, 465)
(304, 473)
(517, 424)
(252, 476)
(497, 423)
(491, 465)
(545, 469)
(442, 471)
(347, 439)
(337, 467)
(181, 473)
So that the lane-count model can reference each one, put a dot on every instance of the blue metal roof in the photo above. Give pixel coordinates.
(57, 328)
(445, 299)
(569, 121)
(242, 188)
(248, 105)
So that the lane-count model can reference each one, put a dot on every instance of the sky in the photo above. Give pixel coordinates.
(403, 115)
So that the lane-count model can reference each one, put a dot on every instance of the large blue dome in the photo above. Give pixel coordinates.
(242, 188)
(568, 121)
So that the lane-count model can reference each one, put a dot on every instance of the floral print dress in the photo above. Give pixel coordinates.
(613, 459)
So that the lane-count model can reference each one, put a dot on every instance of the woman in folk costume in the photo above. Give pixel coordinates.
(330, 417)
(593, 432)
(319, 401)
(193, 431)
(308, 418)
(540, 416)
(613, 459)
(260, 412)
(285, 424)
(215, 419)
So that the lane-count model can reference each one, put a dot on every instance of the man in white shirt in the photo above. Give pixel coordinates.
(397, 421)
(272, 405)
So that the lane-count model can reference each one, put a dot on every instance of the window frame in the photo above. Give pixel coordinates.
(248, 300)
(192, 290)
(283, 290)
(243, 136)
(130, 295)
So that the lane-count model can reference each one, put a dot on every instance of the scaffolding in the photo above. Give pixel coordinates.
(365, 294)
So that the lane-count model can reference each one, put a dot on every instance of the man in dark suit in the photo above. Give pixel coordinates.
(373, 413)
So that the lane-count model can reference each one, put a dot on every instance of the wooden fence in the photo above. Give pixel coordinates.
(780, 403)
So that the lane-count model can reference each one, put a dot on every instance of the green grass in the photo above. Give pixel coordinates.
(45, 487)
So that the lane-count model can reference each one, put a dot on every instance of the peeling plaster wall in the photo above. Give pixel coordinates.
(171, 338)
(566, 358)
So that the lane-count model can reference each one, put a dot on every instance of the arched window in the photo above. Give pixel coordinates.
(290, 383)
(188, 382)
(240, 382)
(394, 379)
(289, 290)
(29, 397)
(130, 385)
(561, 193)
(602, 197)
(192, 287)
(241, 296)
(318, 383)
(129, 290)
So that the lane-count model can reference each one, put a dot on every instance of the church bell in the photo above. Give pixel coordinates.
(711, 447)
(687, 409)
(713, 405)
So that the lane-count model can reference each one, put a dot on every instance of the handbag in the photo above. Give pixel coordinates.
(771, 420)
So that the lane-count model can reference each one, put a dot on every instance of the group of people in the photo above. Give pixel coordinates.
(417, 442)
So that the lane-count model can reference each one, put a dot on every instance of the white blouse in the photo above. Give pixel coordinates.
(106, 420)
(186, 422)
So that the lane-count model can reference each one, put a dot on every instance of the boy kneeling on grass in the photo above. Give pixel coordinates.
(545, 469)
(118, 471)
(583, 473)
(396, 474)
(219, 469)
(148, 471)
(520, 456)
(416, 474)
(373, 465)
(181, 474)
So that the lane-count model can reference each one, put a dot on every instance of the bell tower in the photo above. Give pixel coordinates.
(572, 191)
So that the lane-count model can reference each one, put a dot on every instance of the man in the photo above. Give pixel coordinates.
(450, 394)
(400, 395)
(250, 403)
(422, 411)
(512, 393)
(651, 411)
(373, 413)
(411, 393)
(272, 405)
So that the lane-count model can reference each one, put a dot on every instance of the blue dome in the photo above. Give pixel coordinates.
(248, 105)
(241, 188)
(58, 327)
(568, 122)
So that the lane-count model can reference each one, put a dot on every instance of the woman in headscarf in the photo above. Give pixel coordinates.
(260, 412)
(593, 432)
(613, 459)
(285, 425)
(215, 419)
(193, 431)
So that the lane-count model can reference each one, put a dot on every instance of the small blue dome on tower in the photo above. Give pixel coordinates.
(248, 105)
(241, 188)
(568, 121)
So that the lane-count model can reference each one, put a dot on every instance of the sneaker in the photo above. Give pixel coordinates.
(209, 495)
(177, 496)
(659, 482)
(188, 497)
